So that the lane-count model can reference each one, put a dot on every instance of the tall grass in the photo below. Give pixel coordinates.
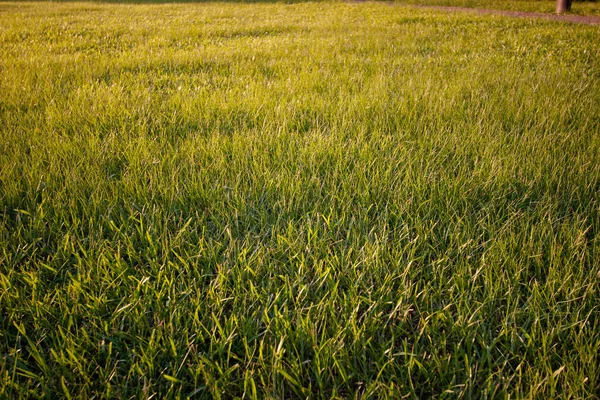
(316, 200)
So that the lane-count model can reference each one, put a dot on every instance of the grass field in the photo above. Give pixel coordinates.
(545, 6)
(312, 200)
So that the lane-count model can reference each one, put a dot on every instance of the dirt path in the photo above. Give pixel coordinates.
(578, 19)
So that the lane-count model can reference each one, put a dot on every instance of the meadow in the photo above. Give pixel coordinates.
(586, 7)
(309, 200)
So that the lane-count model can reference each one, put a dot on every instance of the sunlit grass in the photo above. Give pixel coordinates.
(308, 200)
(543, 6)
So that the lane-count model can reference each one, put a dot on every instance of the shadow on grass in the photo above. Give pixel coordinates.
(147, 2)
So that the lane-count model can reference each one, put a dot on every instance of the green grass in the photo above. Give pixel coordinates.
(319, 200)
(543, 6)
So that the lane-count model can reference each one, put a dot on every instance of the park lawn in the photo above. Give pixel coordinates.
(541, 6)
(322, 200)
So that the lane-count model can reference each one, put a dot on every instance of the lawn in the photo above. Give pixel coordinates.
(591, 7)
(310, 200)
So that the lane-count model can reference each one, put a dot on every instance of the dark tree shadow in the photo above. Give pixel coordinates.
(168, 1)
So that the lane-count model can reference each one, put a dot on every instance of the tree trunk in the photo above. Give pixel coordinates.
(563, 6)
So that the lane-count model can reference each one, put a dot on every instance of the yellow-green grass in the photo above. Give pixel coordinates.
(540, 6)
(314, 200)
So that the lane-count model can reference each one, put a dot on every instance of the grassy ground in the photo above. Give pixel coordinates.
(544, 6)
(309, 200)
